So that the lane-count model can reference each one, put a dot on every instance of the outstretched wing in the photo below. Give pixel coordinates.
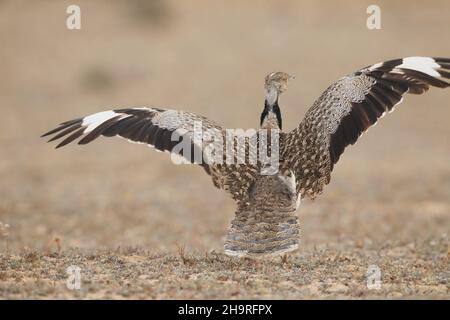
(348, 108)
(193, 137)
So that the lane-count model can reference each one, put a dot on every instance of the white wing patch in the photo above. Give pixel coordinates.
(94, 120)
(422, 64)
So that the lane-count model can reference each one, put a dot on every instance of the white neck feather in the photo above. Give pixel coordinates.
(271, 95)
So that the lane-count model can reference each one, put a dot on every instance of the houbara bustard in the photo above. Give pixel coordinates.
(266, 222)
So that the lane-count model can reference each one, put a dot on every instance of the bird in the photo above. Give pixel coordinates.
(267, 197)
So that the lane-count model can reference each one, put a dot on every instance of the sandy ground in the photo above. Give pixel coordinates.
(140, 227)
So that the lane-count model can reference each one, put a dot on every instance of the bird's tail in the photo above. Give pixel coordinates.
(262, 233)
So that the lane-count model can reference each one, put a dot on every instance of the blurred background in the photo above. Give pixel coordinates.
(209, 57)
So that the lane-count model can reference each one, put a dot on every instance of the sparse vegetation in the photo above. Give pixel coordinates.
(134, 273)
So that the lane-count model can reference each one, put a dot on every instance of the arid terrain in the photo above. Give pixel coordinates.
(139, 226)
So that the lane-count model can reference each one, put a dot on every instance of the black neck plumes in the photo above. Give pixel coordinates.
(268, 109)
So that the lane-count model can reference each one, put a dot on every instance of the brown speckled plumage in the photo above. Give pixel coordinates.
(266, 222)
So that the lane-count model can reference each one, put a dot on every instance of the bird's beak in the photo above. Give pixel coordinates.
(291, 77)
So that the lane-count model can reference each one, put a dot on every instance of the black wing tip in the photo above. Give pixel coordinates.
(60, 127)
(83, 142)
(53, 139)
(441, 60)
(73, 121)
(65, 130)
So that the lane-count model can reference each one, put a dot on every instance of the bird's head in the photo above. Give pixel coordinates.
(277, 82)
